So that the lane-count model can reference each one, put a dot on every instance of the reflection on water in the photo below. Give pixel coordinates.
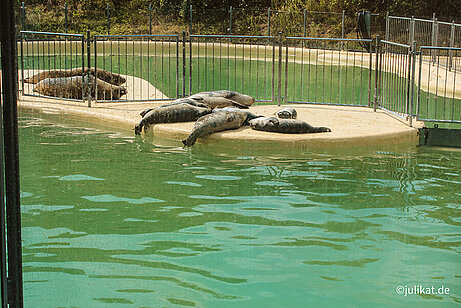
(110, 219)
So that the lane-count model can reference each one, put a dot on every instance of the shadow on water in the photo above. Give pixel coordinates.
(139, 221)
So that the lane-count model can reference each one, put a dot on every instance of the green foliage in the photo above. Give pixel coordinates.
(212, 16)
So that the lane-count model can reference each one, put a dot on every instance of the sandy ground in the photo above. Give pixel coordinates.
(135, 87)
(351, 126)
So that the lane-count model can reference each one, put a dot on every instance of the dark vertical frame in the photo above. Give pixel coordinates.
(10, 153)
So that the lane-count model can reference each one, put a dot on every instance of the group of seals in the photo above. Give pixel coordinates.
(70, 83)
(192, 107)
(203, 108)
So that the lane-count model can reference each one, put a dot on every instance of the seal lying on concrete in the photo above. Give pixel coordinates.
(287, 113)
(286, 126)
(72, 87)
(224, 98)
(101, 74)
(182, 112)
(178, 101)
(215, 122)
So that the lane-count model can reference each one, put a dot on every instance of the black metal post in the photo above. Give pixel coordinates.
(23, 16)
(88, 54)
(65, 16)
(269, 22)
(184, 64)
(230, 19)
(377, 73)
(14, 285)
(279, 96)
(190, 20)
(150, 18)
(108, 18)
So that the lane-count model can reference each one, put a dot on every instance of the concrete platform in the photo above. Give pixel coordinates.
(351, 126)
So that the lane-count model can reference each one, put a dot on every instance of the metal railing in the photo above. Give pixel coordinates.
(149, 63)
(241, 63)
(328, 71)
(439, 87)
(426, 32)
(396, 78)
(45, 51)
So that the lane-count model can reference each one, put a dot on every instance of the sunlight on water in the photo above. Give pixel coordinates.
(113, 220)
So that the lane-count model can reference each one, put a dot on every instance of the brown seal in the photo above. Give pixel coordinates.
(101, 74)
(72, 87)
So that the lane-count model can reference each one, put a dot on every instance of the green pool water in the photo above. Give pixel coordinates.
(110, 220)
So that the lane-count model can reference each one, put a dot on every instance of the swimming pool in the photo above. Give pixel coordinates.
(113, 220)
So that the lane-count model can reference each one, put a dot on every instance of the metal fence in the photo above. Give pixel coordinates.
(439, 87)
(149, 63)
(425, 32)
(396, 78)
(43, 51)
(241, 63)
(328, 71)
(277, 69)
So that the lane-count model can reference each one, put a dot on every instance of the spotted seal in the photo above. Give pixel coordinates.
(287, 113)
(101, 74)
(215, 122)
(182, 112)
(286, 126)
(224, 98)
(72, 87)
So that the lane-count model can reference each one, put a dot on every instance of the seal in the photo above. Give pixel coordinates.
(215, 122)
(182, 112)
(250, 115)
(101, 74)
(224, 98)
(72, 87)
(287, 113)
(286, 126)
(192, 102)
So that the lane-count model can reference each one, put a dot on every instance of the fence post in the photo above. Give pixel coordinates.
(434, 36)
(12, 287)
(89, 72)
(343, 18)
(418, 97)
(23, 10)
(95, 68)
(412, 30)
(150, 18)
(387, 26)
(286, 73)
(305, 26)
(279, 96)
(269, 22)
(108, 18)
(190, 19)
(412, 85)
(184, 64)
(377, 73)
(452, 44)
(65, 16)
(230, 19)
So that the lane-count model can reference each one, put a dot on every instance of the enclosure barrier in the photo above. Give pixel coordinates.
(439, 98)
(144, 60)
(396, 78)
(328, 71)
(425, 32)
(241, 63)
(43, 51)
